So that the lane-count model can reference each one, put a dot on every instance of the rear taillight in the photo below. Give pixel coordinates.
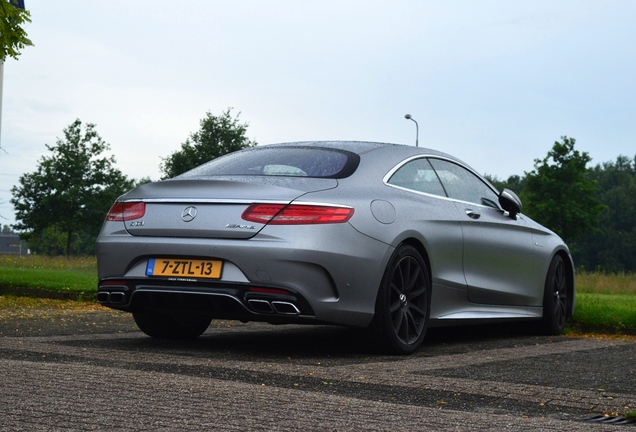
(125, 211)
(281, 214)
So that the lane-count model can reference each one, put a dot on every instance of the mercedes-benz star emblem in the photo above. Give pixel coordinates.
(189, 213)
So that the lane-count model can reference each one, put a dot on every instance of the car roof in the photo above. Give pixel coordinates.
(362, 147)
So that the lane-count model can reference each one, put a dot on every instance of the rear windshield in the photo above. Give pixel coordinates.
(284, 161)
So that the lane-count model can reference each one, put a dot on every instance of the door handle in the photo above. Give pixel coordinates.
(472, 214)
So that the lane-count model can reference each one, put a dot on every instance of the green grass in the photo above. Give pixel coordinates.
(612, 310)
(54, 280)
(77, 275)
(605, 300)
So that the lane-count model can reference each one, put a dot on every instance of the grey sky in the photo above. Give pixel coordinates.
(492, 82)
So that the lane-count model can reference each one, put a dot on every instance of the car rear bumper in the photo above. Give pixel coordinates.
(218, 300)
(320, 281)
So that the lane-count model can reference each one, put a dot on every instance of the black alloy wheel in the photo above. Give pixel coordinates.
(403, 304)
(555, 298)
(180, 326)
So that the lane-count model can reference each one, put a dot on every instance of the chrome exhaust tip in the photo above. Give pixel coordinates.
(117, 297)
(285, 308)
(261, 306)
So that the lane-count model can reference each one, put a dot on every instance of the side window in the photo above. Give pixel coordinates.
(463, 185)
(418, 175)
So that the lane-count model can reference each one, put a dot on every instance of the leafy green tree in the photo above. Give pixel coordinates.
(13, 38)
(71, 190)
(218, 135)
(559, 194)
(613, 247)
(50, 241)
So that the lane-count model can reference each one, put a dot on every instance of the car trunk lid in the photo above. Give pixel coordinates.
(212, 207)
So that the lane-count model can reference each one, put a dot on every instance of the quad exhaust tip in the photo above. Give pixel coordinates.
(257, 305)
(114, 297)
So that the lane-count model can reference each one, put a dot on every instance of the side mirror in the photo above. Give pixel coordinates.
(510, 202)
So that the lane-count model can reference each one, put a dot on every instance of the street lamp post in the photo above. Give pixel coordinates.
(417, 129)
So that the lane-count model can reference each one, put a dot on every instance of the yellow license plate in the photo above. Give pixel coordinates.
(191, 268)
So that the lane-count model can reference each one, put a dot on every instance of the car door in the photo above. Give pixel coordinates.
(428, 211)
(499, 257)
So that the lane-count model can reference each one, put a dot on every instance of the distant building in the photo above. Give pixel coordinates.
(11, 244)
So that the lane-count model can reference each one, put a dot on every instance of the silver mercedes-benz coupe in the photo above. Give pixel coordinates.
(391, 238)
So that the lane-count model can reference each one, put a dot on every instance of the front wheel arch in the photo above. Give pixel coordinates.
(558, 295)
(569, 265)
(569, 268)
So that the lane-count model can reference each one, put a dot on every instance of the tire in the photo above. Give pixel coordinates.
(403, 304)
(555, 299)
(162, 326)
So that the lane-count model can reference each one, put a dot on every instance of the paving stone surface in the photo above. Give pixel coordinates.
(92, 370)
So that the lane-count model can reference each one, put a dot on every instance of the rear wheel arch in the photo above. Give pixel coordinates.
(402, 306)
(419, 246)
(421, 249)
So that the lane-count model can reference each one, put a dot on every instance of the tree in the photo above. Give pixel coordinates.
(70, 192)
(218, 135)
(559, 195)
(613, 247)
(13, 38)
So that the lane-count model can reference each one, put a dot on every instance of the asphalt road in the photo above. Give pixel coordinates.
(92, 370)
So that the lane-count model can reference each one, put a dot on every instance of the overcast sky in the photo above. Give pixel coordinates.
(492, 82)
